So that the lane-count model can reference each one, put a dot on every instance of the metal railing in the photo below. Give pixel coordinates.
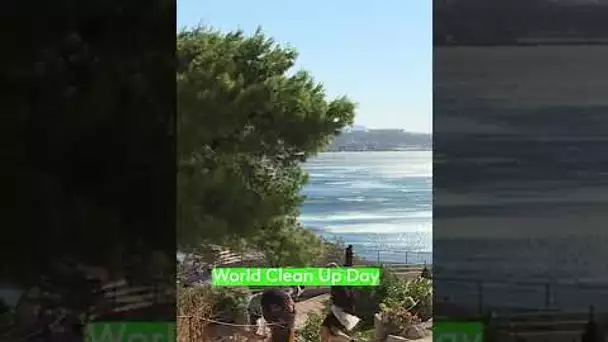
(394, 256)
(226, 257)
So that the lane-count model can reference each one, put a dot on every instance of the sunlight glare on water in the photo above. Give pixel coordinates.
(371, 199)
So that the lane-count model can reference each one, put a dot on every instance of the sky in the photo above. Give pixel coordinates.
(379, 53)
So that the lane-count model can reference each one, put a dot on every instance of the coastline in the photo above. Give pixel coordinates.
(421, 149)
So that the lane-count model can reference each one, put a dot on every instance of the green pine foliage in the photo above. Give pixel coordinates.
(246, 122)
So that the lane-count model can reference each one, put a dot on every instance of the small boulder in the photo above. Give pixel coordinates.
(393, 338)
(416, 332)
(379, 327)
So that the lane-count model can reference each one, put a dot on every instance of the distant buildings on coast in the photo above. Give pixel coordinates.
(359, 138)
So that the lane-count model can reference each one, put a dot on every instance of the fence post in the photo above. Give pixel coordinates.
(406, 254)
(378, 256)
(189, 320)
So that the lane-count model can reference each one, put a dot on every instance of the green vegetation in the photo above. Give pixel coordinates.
(406, 303)
(245, 125)
(220, 303)
(197, 305)
(311, 330)
(414, 295)
(401, 303)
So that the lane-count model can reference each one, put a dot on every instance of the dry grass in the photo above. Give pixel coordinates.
(194, 306)
(199, 307)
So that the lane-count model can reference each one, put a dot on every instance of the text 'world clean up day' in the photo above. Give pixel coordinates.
(311, 276)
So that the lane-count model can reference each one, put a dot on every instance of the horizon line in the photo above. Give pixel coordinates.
(394, 128)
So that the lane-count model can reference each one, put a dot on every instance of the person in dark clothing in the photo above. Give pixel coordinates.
(279, 310)
(426, 273)
(342, 317)
(344, 297)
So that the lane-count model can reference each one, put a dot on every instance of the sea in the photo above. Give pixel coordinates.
(380, 202)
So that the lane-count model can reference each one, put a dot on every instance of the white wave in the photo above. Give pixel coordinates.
(337, 183)
(352, 199)
(335, 168)
(380, 228)
(377, 200)
(345, 216)
(398, 165)
(370, 185)
(403, 171)
(320, 175)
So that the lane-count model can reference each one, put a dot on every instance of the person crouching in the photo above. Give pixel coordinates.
(279, 310)
(342, 318)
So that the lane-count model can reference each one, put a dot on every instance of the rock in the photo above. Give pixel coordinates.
(393, 338)
(379, 328)
(416, 332)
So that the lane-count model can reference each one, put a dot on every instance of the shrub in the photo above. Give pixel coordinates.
(311, 330)
(398, 319)
(365, 335)
(371, 297)
(421, 291)
(415, 295)
(230, 304)
(404, 303)
(388, 283)
(195, 305)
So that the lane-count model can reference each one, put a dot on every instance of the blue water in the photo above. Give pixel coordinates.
(373, 200)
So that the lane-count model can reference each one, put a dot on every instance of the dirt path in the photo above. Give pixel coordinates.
(314, 304)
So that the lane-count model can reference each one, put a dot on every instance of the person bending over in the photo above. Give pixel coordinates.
(279, 310)
(342, 318)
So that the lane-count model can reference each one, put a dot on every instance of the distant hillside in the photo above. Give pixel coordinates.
(358, 128)
(381, 140)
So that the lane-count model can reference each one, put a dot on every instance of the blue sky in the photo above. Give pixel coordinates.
(379, 53)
